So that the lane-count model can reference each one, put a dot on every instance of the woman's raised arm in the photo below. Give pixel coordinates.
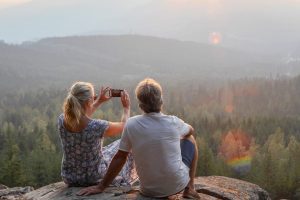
(101, 98)
(116, 128)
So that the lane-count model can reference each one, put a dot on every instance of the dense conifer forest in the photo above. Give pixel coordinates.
(247, 129)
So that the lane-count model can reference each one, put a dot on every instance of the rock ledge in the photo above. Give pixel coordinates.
(209, 188)
(13, 193)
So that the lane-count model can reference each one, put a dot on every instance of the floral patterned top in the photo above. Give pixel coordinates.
(85, 161)
(82, 153)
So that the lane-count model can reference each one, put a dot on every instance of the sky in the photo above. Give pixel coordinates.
(267, 26)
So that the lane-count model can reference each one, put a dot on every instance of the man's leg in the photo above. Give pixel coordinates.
(190, 158)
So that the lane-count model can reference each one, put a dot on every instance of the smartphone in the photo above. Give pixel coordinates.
(115, 92)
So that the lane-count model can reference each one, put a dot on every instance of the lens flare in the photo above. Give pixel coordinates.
(229, 108)
(215, 38)
(240, 163)
(229, 95)
(236, 150)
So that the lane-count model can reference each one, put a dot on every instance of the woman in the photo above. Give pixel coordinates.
(84, 160)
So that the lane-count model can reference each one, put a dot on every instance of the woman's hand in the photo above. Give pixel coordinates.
(103, 96)
(90, 190)
(125, 99)
(116, 128)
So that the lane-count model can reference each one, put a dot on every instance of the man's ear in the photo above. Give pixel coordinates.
(140, 106)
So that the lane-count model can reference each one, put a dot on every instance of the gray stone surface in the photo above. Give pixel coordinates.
(209, 188)
(3, 187)
(14, 193)
(229, 188)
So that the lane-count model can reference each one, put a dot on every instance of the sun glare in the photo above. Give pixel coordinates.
(215, 38)
(9, 3)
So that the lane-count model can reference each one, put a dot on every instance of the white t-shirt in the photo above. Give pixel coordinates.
(154, 140)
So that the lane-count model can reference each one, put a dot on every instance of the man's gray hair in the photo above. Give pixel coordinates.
(149, 95)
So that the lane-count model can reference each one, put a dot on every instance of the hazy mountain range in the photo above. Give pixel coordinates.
(115, 59)
(265, 26)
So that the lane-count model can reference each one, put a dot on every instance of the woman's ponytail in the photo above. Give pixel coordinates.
(73, 105)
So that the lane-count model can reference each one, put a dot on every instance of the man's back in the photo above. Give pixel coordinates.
(154, 139)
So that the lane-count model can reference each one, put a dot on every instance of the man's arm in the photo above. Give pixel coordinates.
(114, 168)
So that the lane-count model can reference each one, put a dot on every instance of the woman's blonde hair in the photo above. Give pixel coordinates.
(149, 95)
(73, 107)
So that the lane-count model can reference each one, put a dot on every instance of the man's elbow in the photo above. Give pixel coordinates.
(192, 131)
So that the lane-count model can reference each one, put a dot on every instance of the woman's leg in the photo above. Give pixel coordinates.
(110, 150)
(128, 174)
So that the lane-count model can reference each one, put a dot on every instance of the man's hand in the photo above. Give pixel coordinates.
(90, 190)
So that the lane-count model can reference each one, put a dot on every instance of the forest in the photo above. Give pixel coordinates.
(247, 129)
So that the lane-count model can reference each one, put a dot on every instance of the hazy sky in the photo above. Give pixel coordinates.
(263, 25)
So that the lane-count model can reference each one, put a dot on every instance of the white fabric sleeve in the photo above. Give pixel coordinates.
(125, 144)
(182, 127)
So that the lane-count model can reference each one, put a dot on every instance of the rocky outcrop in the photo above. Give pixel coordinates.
(3, 187)
(209, 188)
(13, 193)
(229, 189)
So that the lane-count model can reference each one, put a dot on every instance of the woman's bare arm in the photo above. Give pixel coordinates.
(102, 97)
(116, 128)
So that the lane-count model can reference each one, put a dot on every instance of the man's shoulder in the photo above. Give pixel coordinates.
(132, 120)
(172, 118)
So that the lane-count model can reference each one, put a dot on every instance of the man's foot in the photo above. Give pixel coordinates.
(174, 197)
(190, 193)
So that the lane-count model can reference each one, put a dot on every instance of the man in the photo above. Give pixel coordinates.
(163, 147)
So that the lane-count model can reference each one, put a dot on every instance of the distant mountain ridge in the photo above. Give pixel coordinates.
(111, 59)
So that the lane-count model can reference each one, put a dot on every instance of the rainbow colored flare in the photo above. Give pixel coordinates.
(240, 162)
